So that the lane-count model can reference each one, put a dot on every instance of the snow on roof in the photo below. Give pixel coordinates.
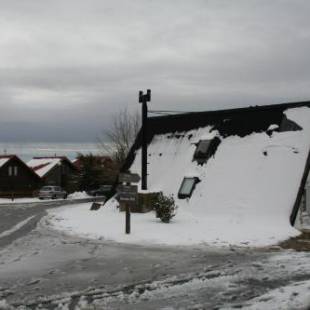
(246, 191)
(4, 160)
(43, 165)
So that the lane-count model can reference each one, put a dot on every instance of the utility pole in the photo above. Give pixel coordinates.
(144, 98)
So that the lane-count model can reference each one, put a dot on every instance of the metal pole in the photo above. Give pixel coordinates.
(144, 98)
(144, 145)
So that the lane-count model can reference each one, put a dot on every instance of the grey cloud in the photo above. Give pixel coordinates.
(71, 65)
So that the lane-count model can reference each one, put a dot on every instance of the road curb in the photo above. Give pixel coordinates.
(56, 203)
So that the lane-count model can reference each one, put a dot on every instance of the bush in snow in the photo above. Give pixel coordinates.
(165, 207)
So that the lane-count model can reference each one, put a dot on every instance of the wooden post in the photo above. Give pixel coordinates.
(127, 195)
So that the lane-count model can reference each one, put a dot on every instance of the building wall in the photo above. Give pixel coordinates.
(54, 176)
(307, 195)
(22, 184)
(61, 175)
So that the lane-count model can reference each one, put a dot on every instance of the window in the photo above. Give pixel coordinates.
(187, 187)
(46, 188)
(205, 149)
(13, 171)
(202, 149)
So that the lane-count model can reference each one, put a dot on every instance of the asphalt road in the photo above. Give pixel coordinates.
(44, 269)
(11, 216)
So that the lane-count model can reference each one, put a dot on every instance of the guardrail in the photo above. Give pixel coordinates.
(54, 203)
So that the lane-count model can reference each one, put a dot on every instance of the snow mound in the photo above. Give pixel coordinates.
(78, 195)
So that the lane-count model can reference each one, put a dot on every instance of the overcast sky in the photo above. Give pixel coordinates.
(67, 66)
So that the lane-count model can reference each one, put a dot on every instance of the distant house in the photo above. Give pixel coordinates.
(16, 178)
(103, 161)
(100, 169)
(57, 170)
(251, 163)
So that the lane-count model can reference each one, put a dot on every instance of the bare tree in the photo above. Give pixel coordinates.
(119, 138)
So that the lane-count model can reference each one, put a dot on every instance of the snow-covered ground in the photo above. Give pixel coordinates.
(245, 194)
(185, 229)
(288, 297)
(54, 271)
(75, 195)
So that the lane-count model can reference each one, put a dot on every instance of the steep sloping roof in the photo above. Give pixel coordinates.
(254, 178)
(5, 159)
(241, 122)
(43, 165)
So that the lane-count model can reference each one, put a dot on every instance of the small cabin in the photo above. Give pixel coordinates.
(56, 171)
(16, 178)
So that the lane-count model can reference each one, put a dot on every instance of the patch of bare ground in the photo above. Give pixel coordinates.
(299, 243)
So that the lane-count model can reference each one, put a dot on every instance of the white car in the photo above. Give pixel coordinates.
(52, 192)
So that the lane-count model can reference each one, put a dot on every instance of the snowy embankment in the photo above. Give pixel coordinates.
(245, 194)
(30, 200)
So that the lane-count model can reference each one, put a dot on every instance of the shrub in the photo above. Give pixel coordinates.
(165, 207)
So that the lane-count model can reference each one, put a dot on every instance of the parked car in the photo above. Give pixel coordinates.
(52, 192)
(103, 190)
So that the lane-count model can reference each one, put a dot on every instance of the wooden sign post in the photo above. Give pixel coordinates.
(128, 194)
(127, 224)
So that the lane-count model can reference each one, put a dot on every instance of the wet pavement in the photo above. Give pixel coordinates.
(45, 269)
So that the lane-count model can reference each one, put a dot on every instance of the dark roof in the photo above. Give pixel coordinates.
(63, 158)
(51, 157)
(240, 121)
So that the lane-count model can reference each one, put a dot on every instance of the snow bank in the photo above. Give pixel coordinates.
(78, 195)
(245, 196)
(75, 195)
(18, 200)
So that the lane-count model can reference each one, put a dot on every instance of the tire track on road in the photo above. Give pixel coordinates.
(20, 229)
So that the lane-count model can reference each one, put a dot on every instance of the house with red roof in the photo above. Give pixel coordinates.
(55, 170)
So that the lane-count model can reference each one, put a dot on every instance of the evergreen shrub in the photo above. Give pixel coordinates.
(165, 207)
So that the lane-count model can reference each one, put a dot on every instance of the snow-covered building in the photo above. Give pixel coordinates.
(16, 178)
(56, 170)
(236, 167)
